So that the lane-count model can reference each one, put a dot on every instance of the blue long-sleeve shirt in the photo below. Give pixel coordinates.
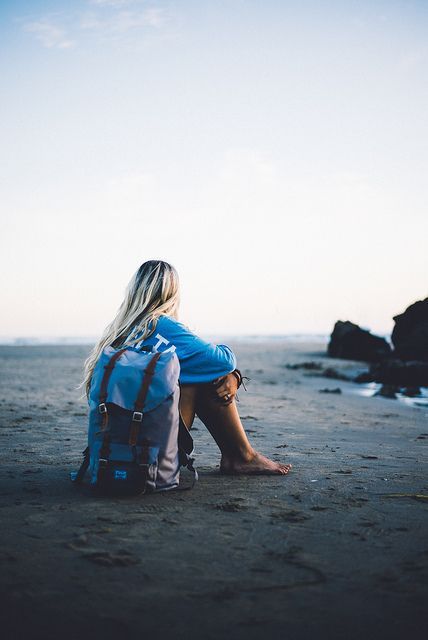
(200, 361)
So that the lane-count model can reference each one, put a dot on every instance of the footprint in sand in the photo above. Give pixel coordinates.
(119, 558)
(367, 523)
(290, 515)
(109, 559)
(31, 489)
(156, 508)
(231, 506)
(78, 542)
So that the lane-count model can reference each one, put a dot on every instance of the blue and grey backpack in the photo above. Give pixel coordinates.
(136, 439)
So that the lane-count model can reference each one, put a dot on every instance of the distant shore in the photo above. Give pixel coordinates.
(18, 341)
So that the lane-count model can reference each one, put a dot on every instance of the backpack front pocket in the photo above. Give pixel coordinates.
(126, 478)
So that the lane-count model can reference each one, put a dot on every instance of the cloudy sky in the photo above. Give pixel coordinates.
(274, 151)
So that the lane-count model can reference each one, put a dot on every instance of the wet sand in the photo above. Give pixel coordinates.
(329, 551)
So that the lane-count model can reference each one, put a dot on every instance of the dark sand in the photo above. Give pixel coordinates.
(322, 553)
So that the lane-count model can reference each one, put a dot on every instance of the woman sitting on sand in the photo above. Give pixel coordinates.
(209, 379)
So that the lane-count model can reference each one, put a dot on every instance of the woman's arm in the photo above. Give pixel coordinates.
(200, 361)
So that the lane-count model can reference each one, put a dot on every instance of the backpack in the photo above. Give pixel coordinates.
(136, 439)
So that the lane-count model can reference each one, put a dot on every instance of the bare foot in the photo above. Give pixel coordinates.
(256, 465)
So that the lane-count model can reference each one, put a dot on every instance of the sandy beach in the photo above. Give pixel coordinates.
(329, 551)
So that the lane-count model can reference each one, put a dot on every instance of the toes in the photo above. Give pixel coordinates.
(285, 468)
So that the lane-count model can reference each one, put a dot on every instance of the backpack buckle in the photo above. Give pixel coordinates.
(102, 408)
(137, 416)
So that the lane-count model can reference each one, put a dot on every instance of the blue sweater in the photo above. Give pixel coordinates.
(200, 361)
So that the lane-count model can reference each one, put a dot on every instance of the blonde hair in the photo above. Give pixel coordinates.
(153, 291)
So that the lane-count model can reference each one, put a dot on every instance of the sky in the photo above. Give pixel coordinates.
(275, 152)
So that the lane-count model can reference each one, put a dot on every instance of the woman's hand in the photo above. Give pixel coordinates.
(226, 388)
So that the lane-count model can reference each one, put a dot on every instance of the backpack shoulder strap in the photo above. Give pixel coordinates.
(106, 377)
(142, 394)
(137, 416)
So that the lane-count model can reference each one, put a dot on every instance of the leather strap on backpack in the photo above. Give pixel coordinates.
(108, 369)
(102, 407)
(137, 416)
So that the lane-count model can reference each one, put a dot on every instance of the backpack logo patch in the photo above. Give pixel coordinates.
(120, 475)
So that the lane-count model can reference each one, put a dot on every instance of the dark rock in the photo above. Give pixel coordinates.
(388, 391)
(411, 392)
(399, 373)
(333, 374)
(336, 390)
(410, 334)
(350, 342)
(364, 377)
(316, 369)
(308, 366)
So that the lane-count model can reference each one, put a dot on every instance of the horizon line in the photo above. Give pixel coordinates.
(87, 340)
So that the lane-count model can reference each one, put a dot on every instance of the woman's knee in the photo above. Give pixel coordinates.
(207, 400)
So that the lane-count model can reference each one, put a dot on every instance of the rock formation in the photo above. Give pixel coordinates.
(410, 334)
(399, 373)
(351, 342)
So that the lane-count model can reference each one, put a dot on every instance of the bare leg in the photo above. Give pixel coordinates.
(224, 424)
(188, 394)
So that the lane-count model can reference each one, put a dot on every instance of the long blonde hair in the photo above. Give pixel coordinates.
(153, 291)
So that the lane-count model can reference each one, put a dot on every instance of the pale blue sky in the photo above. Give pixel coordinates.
(275, 152)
